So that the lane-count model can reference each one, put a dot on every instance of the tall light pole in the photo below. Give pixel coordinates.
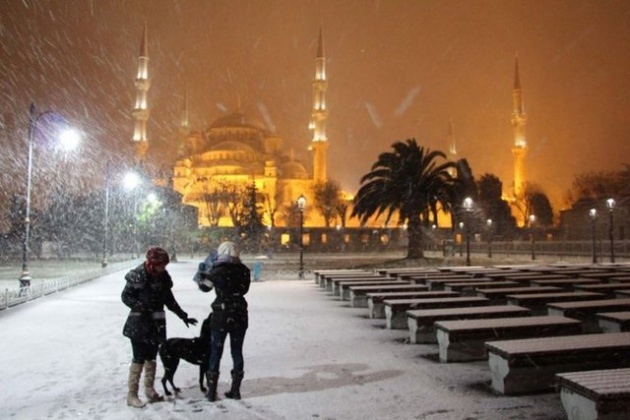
(104, 262)
(301, 204)
(532, 220)
(68, 139)
(461, 242)
(610, 203)
(489, 225)
(468, 205)
(131, 182)
(592, 214)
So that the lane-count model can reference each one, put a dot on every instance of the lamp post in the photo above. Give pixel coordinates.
(301, 204)
(131, 181)
(104, 262)
(461, 242)
(610, 203)
(592, 214)
(532, 220)
(489, 224)
(69, 139)
(468, 205)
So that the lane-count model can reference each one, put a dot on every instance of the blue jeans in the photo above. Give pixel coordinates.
(217, 341)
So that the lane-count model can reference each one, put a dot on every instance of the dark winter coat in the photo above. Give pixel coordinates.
(231, 281)
(146, 295)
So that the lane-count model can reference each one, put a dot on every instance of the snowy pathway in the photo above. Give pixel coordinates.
(307, 356)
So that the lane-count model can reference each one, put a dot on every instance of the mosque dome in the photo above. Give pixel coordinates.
(293, 170)
(239, 119)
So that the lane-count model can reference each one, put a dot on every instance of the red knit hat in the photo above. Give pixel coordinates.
(157, 256)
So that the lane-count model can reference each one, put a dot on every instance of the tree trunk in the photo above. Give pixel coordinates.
(414, 232)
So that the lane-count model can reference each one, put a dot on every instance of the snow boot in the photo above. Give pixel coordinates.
(135, 370)
(213, 381)
(235, 392)
(149, 378)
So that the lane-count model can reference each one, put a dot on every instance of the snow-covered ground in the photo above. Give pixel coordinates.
(307, 356)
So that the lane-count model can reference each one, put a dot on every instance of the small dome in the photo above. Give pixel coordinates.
(239, 119)
(293, 170)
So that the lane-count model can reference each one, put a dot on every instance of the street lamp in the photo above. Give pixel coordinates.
(130, 182)
(301, 203)
(489, 224)
(468, 205)
(593, 215)
(532, 220)
(610, 203)
(68, 139)
(461, 242)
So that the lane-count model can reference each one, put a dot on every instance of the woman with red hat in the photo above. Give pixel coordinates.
(147, 290)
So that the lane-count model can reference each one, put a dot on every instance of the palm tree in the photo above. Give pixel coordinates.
(410, 182)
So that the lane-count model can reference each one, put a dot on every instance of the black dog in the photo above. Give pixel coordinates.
(192, 350)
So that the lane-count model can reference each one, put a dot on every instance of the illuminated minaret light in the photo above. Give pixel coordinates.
(519, 150)
(184, 126)
(452, 148)
(140, 111)
(319, 115)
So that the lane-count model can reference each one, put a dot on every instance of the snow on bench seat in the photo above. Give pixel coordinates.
(606, 288)
(358, 294)
(499, 295)
(596, 394)
(331, 282)
(342, 288)
(529, 365)
(376, 307)
(321, 274)
(614, 321)
(395, 309)
(421, 322)
(464, 340)
(472, 286)
(538, 302)
(567, 284)
(586, 311)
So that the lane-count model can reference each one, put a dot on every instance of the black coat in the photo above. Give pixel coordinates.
(146, 295)
(231, 281)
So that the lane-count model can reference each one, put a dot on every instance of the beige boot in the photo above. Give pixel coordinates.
(135, 370)
(149, 378)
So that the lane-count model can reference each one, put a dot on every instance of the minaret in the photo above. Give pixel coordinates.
(519, 150)
(452, 148)
(319, 115)
(140, 111)
(184, 127)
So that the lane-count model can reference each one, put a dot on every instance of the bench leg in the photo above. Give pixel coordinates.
(577, 406)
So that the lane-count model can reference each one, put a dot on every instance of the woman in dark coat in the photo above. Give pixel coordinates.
(147, 290)
(230, 279)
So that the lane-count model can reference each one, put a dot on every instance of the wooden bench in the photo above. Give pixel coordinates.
(376, 307)
(586, 311)
(358, 294)
(606, 288)
(499, 295)
(472, 286)
(421, 322)
(330, 282)
(342, 288)
(464, 340)
(567, 284)
(538, 302)
(325, 276)
(437, 279)
(529, 365)
(319, 274)
(595, 394)
(395, 309)
(525, 280)
(614, 321)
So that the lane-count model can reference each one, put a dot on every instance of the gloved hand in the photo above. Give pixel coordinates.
(205, 285)
(189, 321)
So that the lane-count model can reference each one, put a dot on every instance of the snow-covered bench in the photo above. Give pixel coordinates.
(376, 307)
(586, 311)
(395, 309)
(421, 322)
(614, 321)
(330, 282)
(342, 288)
(529, 365)
(358, 293)
(538, 301)
(472, 286)
(320, 275)
(605, 288)
(464, 340)
(567, 284)
(498, 295)
(596, 394)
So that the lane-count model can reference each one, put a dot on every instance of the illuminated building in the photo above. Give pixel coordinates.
(519, 149)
